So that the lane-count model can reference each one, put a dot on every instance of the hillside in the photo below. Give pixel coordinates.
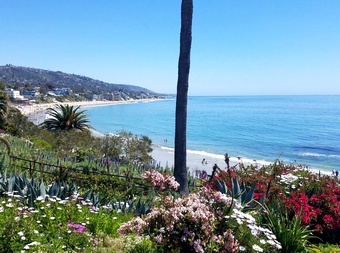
(22, 76)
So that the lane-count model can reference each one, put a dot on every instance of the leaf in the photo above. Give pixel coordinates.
(42, 190)
(249, 195)
(11, 183)
(54, 190)
(236, 189)
(31, 194)
(220, 187)
(88, 195)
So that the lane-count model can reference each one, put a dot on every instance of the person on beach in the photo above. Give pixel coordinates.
(337, 173)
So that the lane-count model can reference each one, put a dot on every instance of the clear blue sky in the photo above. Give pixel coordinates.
(255, 47)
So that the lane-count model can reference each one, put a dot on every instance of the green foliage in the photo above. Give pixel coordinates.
(41, 144)
(324, 248)
(2, 85)
(293, 236)
(145, 246)
(56, 226)
(82, 154)
(3, 108)
(66, 117)
(110, 145)
(7, 144)
(136, 149)
(19, 125)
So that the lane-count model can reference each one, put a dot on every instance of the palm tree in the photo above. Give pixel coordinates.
(180, 171)
(65, 118)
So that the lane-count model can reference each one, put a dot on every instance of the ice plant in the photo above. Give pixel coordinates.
(77, 227)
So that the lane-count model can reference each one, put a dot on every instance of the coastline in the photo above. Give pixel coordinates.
(162, 154)
(37, 112)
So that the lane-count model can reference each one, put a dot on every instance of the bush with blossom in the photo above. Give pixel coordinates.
(320, 210)
(315, 197)
(206, 221)
(160, 181)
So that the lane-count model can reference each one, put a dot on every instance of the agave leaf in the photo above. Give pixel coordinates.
(95, 200)
(139, 205)
(242, 186)
(11, 183)
(31, 194)
(54, 189)
(21, 192)
(225, 188)
(145, 209)
(221, 187)
(236, 190)
(88, 195)
(130, 205)
(2, 187)
(17, 185)
(33, 183)
(42, 189)
(249, 195)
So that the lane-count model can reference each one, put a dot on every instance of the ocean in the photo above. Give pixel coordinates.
(251, 129)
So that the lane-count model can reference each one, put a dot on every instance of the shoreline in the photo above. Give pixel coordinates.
(37, 112)
(163, 155)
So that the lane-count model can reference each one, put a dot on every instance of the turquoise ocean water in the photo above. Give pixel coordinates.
(294, 129)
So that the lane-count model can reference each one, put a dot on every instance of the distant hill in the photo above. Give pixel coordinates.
(23, 76)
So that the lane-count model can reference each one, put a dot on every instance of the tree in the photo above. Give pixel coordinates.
(180, 171)
(3, 108)
(2, 85)
(136, 149)
(66, 118)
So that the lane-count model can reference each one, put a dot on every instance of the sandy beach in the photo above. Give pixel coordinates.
(37, 112)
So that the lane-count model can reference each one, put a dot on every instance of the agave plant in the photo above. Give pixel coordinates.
(238, 192)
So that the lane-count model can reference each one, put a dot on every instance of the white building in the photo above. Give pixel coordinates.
(15, 94)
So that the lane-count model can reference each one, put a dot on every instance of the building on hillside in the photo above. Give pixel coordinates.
(109, 96)
(62, 91)
(13, 94)
(31, 94)
(97, 97)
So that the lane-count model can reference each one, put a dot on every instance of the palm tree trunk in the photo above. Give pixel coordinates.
(180, 172)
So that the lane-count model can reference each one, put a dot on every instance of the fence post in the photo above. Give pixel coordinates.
(30, 169)
(41, 169)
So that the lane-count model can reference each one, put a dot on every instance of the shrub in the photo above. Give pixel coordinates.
(206, 221)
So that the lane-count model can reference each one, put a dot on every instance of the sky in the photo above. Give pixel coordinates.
(239, 47)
